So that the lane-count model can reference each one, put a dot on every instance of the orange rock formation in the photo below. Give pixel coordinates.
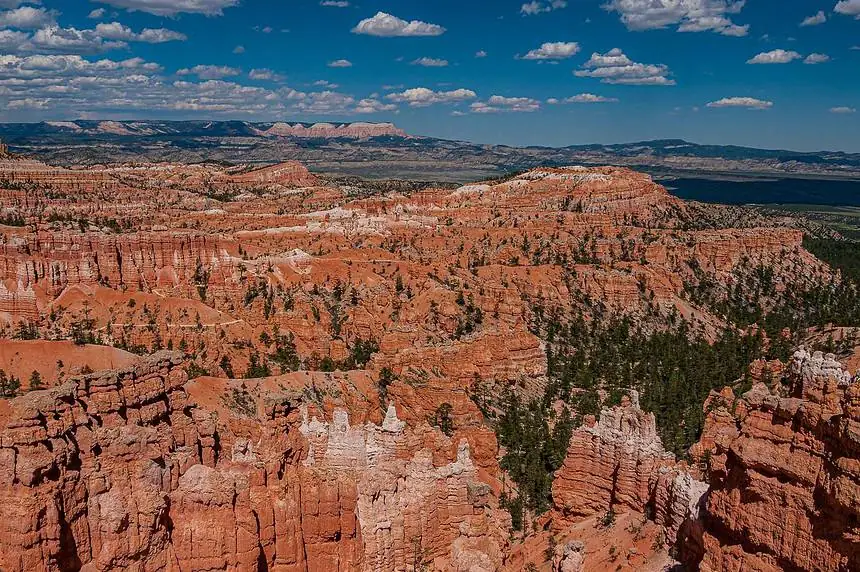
(784, 468)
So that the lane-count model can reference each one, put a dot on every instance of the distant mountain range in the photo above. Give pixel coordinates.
(156, 129)
(382, 150)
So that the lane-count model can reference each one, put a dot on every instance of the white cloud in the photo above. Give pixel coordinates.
(37, 87)
(106, 36)
(422, 96)
(96, 14)
(173, 7)
(584, 98)
(27, 18)
(11, 40)
(842, 110)
(553, 51)
(335, 3)
(325, 83)
(537, 7)
(775, 57)
(386, 25)
(815, 20)
(117, 31)
(430, 62)
(480, 54)
(501, 104)
(373, 105)
(848, 8)
(340, 64)
(265, 74)
(239, 50)
(210, 71)
(616, 68)
(747, 102)
(54, 40)
(816, 59)
(688, 15)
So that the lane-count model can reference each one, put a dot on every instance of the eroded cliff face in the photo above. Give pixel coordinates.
(784, 469)
(447, 281)
(618, 464)
(124, 469)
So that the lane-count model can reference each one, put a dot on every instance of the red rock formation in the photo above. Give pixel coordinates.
(784, 469)
(302, 470)
(618, 464)
(124, 469)
(291, 174)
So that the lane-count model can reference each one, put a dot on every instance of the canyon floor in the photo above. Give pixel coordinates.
(220, 367)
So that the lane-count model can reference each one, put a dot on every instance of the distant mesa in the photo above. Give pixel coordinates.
(357, 130)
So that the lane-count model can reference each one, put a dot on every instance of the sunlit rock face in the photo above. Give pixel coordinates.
(784, 468)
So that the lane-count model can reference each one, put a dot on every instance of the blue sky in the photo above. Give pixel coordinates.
(763, 73)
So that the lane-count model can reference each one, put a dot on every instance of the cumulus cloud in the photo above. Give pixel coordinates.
(816, 59)
(423, 97)
(373, 105)
(501, 104)
(584, 98)
(747, 102)
(775, 57)
(173, 7)
(96, 14)
(430, 62)
(537, 7)
(210, 71)
(340, 64)
(73, 86)
(27, 18)
(117, 31)
(12, 40)
(616, 68)
(848, 8)
(325, 83)
(842, 109)
(815, 20)
(480, 54)
(56, 40)
(688, 15)
(386, 25)
(553, 51)
(265, 74)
